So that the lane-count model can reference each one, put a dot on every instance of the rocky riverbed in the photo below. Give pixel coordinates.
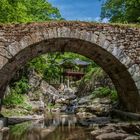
(62, 112)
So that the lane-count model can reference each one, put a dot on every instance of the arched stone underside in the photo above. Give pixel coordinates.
(116, 49)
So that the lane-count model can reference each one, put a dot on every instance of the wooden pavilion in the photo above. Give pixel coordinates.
(72, 69)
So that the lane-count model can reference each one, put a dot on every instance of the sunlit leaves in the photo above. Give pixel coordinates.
(20, 11)
(123, 11)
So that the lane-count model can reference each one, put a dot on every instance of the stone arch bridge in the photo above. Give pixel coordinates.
(115, 48)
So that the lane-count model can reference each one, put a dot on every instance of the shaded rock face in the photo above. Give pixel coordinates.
(97, 79)
(34, 80)
(42, 95)
(48, 89)
(97, 106)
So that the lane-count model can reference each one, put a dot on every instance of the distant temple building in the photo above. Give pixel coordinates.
(72, 70)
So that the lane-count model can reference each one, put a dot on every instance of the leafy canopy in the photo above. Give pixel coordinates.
(122, 11)
(19, 11)
(49, 65)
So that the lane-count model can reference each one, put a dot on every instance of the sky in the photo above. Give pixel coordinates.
(84, 10)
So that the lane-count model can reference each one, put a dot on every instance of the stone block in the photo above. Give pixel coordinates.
(106, 44)
(94, 38)
(102, 39)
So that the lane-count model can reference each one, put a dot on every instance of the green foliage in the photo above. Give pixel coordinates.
(52, 72)
(25, 105)
(38, 64)
(114, 95)
(46, 66)
(122, 11)
(13, 99)
(18, 11)
(28, 107)
(16, 95)
(104, 92)
(93, 73)
(21, 86)
(50, 106)
(17, 101)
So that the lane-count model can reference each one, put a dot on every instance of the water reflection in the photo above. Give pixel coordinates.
(54, 127)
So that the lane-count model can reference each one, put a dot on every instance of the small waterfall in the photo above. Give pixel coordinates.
(71, 107)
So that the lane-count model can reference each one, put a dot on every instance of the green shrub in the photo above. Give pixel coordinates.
(13, 99)
(38, 64)
(93, 74)
(114, 95)
(21, 86)
(28, 107)
(104, 92)
(50, 106)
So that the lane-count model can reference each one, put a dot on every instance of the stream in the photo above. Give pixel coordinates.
(54, 127)
(71, 127)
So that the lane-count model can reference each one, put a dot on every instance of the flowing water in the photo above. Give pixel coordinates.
(54, 127)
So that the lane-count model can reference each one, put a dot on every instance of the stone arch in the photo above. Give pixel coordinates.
(96, 42)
